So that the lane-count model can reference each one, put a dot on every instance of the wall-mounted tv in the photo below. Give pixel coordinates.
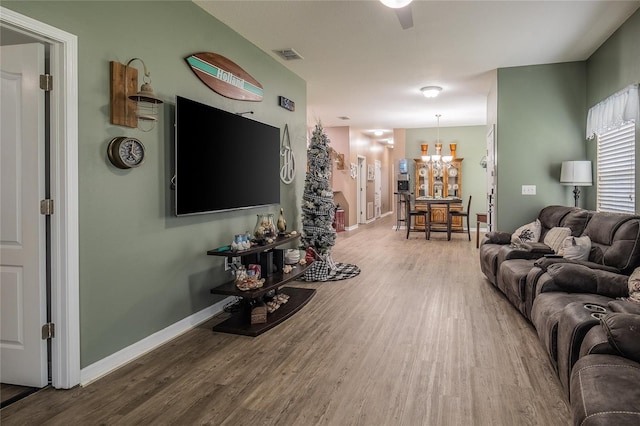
(223, 161)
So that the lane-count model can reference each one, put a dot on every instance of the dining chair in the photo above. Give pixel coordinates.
(462, 213)
(411, 214)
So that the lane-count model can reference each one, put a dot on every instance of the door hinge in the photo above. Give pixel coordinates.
(46, 82)
(48, 331)
(46, 207)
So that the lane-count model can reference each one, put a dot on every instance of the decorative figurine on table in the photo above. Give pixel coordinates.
(265, 228)
(282, 223)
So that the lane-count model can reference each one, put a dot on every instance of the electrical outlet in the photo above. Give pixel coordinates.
(232, 263)
(528, 190)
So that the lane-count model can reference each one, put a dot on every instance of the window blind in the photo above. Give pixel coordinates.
(616, 169)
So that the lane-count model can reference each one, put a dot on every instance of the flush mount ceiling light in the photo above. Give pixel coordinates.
(431, 91)
(378, 132)
(395, 4)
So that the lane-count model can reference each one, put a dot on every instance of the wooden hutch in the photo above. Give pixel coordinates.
(439, 180)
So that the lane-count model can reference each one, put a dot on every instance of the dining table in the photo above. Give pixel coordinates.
(429, 201)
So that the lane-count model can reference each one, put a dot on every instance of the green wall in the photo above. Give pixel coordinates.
(614, 66)
(472, 147)
(541, 122)
(141, 268)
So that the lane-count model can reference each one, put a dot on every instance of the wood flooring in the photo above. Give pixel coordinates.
(418, 338)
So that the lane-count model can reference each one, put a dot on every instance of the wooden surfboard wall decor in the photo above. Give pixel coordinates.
(225, 77)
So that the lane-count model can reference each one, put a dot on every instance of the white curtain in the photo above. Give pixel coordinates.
(619, 108)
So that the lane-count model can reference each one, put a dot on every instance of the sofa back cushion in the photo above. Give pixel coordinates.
(550, 217)
(615, 240)
(577, 220)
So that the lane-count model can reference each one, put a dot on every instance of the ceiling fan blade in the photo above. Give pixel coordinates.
(405, 17)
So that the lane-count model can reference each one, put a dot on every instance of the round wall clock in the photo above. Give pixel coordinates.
(125, 153)
(453, 172)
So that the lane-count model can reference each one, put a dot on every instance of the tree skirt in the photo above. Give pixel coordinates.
(321, 271)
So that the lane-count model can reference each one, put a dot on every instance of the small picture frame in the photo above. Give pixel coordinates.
(371, 175)
(353, 170)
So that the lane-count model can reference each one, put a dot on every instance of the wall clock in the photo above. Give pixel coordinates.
(125, 153)
(453, 172)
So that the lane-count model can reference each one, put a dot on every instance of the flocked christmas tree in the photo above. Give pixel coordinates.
(318, 208)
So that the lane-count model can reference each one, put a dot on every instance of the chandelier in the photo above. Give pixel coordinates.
(437, 161)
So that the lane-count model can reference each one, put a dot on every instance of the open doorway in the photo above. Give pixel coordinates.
(61, 143)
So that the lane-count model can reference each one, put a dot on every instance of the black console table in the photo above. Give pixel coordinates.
(240, 322)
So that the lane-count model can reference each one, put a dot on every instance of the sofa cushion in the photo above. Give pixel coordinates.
(623, 332)
(577, 220)
(552, 216)
(556, 236)
(575, 248)
(605, 391)
(615, 240)
(527, 233)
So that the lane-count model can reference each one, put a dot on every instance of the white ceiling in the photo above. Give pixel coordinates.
(359, 62)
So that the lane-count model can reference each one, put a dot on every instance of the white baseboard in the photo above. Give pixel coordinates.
(106, 365)
(352, 227)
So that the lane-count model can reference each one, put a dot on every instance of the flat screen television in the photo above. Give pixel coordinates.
(223, 161)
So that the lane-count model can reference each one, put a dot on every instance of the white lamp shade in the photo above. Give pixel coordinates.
(395, 4)
(576, 173)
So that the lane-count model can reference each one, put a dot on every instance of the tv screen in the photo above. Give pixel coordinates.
(223, 160)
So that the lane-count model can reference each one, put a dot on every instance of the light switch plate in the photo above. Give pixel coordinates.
(528, 190)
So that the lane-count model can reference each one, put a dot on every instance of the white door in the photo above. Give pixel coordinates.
(378, 189)
(23, 353)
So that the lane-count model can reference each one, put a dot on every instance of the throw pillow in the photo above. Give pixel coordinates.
(555, 237)
(575, 248)
(527, 233)
(634, 286)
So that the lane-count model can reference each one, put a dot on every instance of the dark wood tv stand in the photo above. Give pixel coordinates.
(240, 322)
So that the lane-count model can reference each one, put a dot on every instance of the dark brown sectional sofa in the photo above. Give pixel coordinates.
(590, 333)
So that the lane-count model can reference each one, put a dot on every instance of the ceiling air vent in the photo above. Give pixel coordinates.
(289, 54)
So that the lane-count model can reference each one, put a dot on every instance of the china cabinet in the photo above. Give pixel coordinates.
(434, 180)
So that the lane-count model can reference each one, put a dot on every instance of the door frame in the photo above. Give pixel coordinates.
(362, 189)
(63, 163)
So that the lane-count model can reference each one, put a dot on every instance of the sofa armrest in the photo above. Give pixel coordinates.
(497, 237)
(544, 262)
(623, 333)
(624, 306)
(540, 248)
(596, 342)
(576, 278)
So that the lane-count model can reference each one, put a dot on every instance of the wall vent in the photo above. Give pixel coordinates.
(289, 54)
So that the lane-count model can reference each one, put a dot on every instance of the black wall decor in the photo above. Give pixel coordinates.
(286, 103)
